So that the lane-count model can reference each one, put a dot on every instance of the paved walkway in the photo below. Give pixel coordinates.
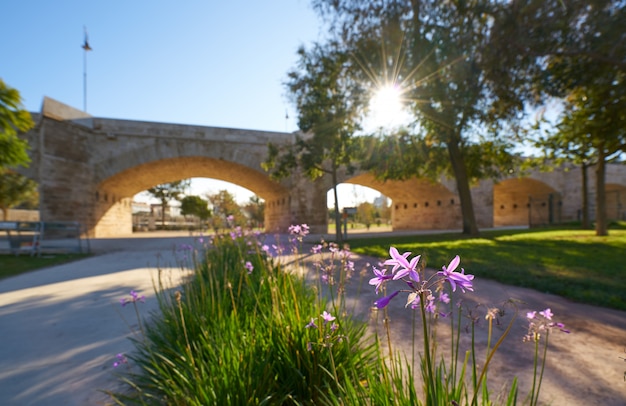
(61, 328)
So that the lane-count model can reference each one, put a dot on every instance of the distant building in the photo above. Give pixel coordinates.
(170, 210)
(140, 207)
(381, 202)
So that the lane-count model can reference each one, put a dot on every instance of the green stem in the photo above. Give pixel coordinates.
(543, 366)
(430, 378)
(491, 354)
(413, 340)
(533, 400)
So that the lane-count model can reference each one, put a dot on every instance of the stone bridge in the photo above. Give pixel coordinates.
(89, 168)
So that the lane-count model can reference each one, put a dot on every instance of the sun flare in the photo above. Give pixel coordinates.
(386, 108)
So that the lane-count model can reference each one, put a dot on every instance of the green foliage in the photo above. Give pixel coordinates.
(236, 337)
(11, 265)
(573, 51)
(255, 210)
(433, 51)
(329, 106)
(14, 190)
(328, 113)
(224, 205)
(366, 213)
(195, 206)
(167, 192)
(13, 119)
(571, 263)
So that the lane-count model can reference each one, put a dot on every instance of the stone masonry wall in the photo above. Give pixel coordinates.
(88, 168)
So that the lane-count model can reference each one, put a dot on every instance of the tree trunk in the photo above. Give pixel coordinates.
(163, 205)
(5, 213)
(585, 203)
(601, 222)
(338, 233)
(462, 184)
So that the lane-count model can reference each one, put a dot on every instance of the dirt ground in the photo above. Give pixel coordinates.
(583, 367)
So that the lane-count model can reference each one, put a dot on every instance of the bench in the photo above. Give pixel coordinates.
(35, 237)
(23, 236)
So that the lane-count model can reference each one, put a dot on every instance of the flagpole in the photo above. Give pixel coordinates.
(86, 48)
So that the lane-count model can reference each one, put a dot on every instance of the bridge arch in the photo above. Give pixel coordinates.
(113, 194)
(525, 202)
(417, 203)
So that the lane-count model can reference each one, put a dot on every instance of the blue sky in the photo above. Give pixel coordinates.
(214, 63)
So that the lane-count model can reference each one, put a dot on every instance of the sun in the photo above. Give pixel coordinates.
(386, 109)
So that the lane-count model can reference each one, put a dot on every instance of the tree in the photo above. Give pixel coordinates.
(168, 191)
(13, 119)
(433, 51)
(366, 212)
(195, 206)
(255, 210)
(328, 104)
(14, 190)
(576, 51)
(226, 210)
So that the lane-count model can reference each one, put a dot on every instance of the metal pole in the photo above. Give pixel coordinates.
(86, 48)
(85, 80)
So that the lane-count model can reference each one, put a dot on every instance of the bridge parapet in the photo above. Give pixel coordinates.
(88, 169)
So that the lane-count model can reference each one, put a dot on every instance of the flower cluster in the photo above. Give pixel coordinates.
(236, 233)
(299, 231)
(410, 272)
(339, 260)
(327, 318)
(540, 323)
(328, 330)
(248, 265)
(119, 360)
(134, 297)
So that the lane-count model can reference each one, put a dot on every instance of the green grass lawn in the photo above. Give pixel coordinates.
(11, 265)
(571, 263)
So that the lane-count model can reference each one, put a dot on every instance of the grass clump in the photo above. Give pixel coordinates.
(245, 331)
(12, 265)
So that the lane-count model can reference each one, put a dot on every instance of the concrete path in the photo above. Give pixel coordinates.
(61, 328)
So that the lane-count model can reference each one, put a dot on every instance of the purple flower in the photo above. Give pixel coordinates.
(248, 265)
(402, 265)
(394, 254)
(430, 305)
(457, 278)
(379, 279)
(560, 326)
(328, 317)
(547, 314)
(121, 359)
(134, 297)
(531, 315)
(384, 301)
(316, 249)
(444, 298)
(265, 248)
(299, 230)
(334, 327)
(311, 324)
